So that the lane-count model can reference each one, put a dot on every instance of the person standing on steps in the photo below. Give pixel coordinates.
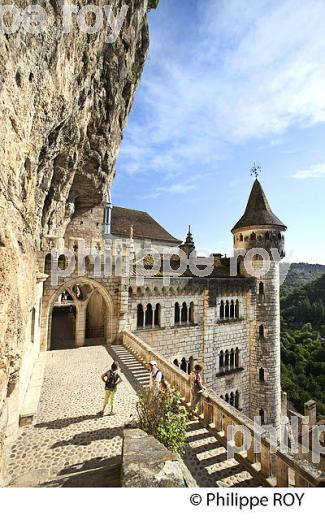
(111, 378)
(197, 389)
(156, 376)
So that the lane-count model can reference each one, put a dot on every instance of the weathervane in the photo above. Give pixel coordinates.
(256, 170)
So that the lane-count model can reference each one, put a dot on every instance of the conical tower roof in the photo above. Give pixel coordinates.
(258, 211)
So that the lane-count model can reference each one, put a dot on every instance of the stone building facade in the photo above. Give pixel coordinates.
(228, 319)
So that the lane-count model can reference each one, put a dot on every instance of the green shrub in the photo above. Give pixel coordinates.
(164, 417)
(153, 4)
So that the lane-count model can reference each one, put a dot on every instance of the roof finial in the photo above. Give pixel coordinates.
(255, 170)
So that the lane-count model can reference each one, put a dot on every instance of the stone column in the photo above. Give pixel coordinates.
(80, 333)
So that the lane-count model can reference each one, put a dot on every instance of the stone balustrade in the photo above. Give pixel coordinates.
(274, 465)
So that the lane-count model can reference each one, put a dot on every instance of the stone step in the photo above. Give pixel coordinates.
(205, 456)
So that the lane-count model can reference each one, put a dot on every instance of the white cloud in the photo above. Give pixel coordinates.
(252, 70)
(314, 172)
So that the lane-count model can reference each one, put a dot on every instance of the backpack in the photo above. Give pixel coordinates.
(111, 381)
(197, 385)
(162, 375)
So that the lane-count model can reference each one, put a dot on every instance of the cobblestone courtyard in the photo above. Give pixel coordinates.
(68, 436)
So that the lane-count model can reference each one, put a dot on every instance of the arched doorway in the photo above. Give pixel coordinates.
(96, 315)
(91, 319)
(63, 326)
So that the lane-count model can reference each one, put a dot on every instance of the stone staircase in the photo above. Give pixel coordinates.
(205, 456)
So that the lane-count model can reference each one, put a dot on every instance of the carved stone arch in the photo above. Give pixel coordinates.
(140, 292)
(47, 309)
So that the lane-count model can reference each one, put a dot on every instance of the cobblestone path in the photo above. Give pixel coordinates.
(68, 437)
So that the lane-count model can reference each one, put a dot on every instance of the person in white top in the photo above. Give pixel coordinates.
(155, 376)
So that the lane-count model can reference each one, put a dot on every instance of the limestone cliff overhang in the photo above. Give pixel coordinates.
(258, 212)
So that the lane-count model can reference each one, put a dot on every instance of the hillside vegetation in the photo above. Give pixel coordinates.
(302, 347)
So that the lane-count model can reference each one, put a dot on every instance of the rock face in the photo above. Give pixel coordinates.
(64, 102)
(147, 463)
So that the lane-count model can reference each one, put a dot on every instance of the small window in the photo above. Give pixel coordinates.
(184, 313)
(222, 310)
(237, 400)
(261, 375)
(149, 315)
(262, 416)
(183, 365)
(177, 313)
(261, 331)
(221, 361)
(232, 309)
(237, 311)
(157, 315)
(261, 288)
(140, 316)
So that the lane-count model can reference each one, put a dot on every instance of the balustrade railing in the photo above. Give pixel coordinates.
(273, 464)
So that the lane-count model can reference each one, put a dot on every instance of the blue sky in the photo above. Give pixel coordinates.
(227, 83)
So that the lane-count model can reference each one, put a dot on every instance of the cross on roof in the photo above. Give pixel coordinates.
(256, 170)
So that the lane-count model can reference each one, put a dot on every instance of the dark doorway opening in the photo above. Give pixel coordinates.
(63, 327)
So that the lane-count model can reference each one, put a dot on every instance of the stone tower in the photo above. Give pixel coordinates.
(188, 246)
(259, 247)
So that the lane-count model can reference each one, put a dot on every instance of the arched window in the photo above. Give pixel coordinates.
(47, 265)
(32, 326)
(267, 236)
(61, 262)
(261, 331)
(190, 365)
(184, 313)
(149, 315)
(232, 399)
(157, 315)
(227, 360)
(227, 310)
(237, 400)
(183, 365)
(261, 375)
(177, 313)
(253, 237)
(227, 398)
(237, 358)
(221, 361)
(261, 288)
(232, 359)
(191, 317)
(237, 314)
(241, 238)
(176, 363)
(262, 416)
(140, 316)
(222, 310)
(232, 309)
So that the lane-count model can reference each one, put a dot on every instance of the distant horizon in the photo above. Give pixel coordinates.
(222, 96)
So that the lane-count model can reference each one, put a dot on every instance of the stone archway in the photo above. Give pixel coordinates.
(96, 317)
(81, 292)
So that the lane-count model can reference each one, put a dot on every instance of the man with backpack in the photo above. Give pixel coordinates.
(156, 376)
(197, 389)
(111, 378)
